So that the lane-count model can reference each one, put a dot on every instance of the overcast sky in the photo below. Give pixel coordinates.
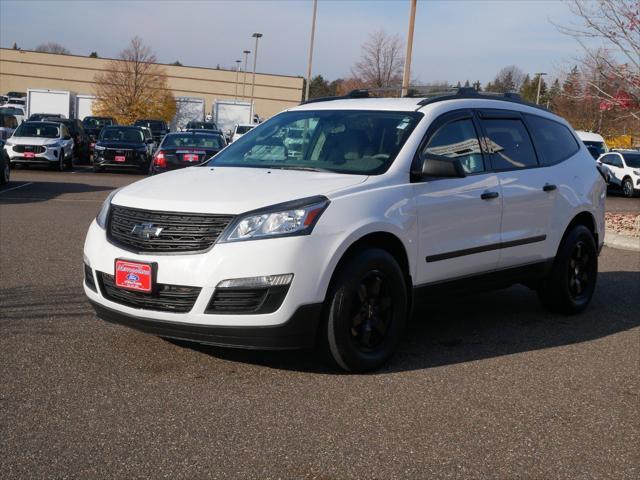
(454, 40)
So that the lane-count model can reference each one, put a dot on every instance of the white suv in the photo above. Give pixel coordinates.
(624, 166)
(388, 199)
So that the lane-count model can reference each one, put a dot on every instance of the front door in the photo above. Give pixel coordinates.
(458, 218)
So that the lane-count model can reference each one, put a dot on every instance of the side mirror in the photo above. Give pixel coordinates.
(439, 166)
(604, 171)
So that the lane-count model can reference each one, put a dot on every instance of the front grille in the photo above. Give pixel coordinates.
(110, 154)
(29, 148)
(181, 232)
(165, 298)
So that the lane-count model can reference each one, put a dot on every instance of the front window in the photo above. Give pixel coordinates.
(32, 129)
(192, 141)
(632, 159)
(12, 111)
(152, 125)
(96, 122)
(345, 141)
(202, 126)
(121, 135)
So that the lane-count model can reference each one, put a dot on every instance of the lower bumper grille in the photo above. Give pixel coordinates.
(247, 300)
(29, 148)
(166, 298)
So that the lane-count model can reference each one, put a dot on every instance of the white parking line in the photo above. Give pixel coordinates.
(15, 188)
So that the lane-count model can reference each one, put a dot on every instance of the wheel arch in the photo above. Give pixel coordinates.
(383, 240)
(585, 218)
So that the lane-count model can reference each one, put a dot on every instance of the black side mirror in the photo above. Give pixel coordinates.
(439, 166)
(604, 171)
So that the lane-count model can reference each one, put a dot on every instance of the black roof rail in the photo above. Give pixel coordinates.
(470, 92)
(358, 93)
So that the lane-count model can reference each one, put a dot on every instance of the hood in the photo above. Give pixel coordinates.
(229, 190)
(33, 140)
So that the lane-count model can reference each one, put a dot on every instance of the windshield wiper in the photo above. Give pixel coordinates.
(304, 169)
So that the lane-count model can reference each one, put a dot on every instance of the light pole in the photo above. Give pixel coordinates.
(406, 76)
(313, 33)
(238, 62)
(255, 62)
(539, 86)
(244, 75)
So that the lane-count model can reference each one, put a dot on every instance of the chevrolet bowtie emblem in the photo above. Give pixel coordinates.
(146, 231)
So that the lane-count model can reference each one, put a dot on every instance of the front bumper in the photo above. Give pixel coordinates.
(49, 156)
(299, 331)
(291, 325)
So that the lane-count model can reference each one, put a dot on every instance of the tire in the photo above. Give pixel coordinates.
(365, 312)
(61, 164)
(97, 169)
(6, 173)
(570, 285)
(627, 187)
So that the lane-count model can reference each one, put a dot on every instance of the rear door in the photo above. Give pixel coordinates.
(458, 218)
(528, 191)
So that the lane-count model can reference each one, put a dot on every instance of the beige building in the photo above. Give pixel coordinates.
(20, 70)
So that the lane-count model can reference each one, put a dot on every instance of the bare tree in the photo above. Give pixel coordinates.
(382, 61)
(52, 47)
(612, 66)
(134, 86)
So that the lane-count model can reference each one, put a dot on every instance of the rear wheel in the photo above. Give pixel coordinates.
(627, 187)
(570, 285)
(365, 312)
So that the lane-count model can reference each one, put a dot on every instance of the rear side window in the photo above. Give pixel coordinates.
(510, 143)
(458, 139)
(612, 159)
(554, 141)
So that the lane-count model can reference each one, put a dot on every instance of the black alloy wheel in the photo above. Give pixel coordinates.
(371, 311)
(570, 285)
(365, 311)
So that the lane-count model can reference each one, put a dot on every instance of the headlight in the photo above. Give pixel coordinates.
(282, 220)
(636, 172)
(98, 148)
(101, 218)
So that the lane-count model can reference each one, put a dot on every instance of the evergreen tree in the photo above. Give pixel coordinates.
(93, 55)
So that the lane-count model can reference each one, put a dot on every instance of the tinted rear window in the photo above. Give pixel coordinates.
(632, 159)
(185, 140)
(115, 134)
(554, 141)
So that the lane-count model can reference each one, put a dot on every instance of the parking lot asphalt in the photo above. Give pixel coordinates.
(484, 386)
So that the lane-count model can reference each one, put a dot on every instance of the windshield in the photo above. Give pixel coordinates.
(632, 159)
(33, 129)
(202, 126)
(345, 141)
(96, 122)
(115, 134)
(194, 141)
(11, 111)
(599, 146)
(242, 129)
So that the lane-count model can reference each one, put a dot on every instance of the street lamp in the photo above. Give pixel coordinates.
(540, 74)
(407, 59)
(238, 62)
(244, 75)
(255, 62)
(313, 32)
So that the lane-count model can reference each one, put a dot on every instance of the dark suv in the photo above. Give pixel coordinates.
(81, 141)
(122, 147)
(159, 128)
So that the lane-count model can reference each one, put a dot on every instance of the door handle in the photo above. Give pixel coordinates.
(489, 195)
(548, 187)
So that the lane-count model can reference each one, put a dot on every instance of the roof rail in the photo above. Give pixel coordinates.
(470, 92)
(435, 96)
(358, 93)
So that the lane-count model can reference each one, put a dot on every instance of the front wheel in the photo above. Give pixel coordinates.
(365, 312)
(627, 187)
(570, 285)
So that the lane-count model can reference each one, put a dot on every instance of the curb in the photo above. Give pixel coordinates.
(623, 242)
